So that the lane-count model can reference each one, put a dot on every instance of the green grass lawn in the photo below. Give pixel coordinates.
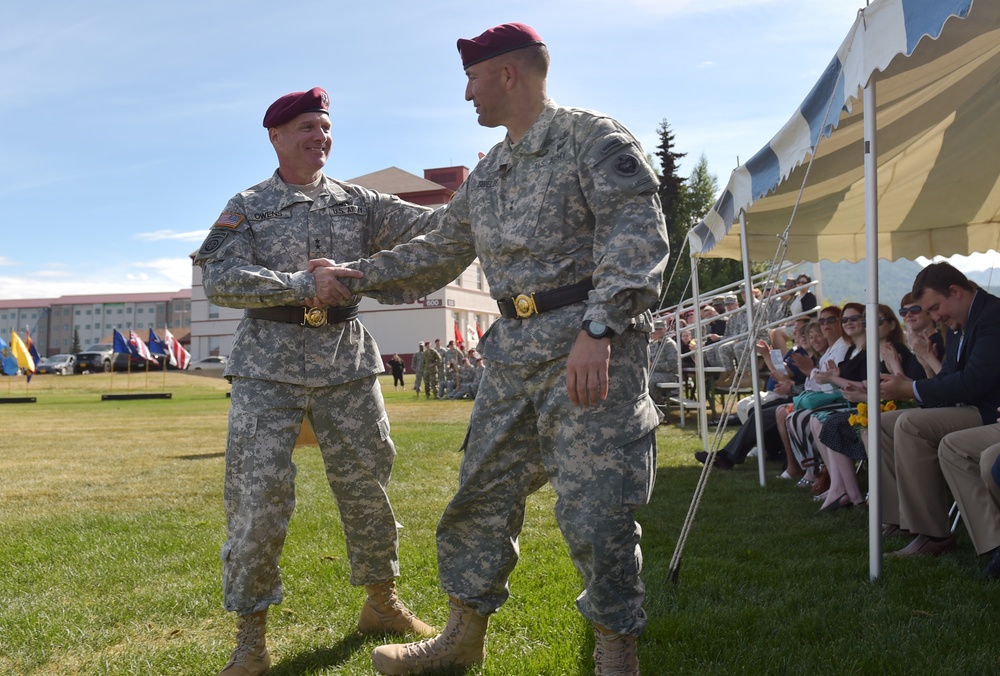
(111, 522)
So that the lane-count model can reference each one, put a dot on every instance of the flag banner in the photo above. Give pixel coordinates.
(459, 342)
(20, 351)
(31, 348)
(158, 346)
(179, 356)
(120, 344)
(138, 348)
(8, 362)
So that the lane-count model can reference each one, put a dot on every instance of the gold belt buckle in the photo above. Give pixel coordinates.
(314, 317)
(524, 306)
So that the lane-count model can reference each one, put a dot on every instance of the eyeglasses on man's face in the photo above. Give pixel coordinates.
(912, 309)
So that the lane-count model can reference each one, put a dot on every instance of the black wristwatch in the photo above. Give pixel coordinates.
(597, 330)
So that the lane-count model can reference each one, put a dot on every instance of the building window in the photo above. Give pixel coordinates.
(213, 313)
(479, 277)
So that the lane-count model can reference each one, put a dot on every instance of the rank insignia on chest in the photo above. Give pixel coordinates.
(228, 220)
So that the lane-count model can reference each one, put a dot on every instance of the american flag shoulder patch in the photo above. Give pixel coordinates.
(228, 220)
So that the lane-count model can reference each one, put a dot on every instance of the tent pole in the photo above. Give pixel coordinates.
(754, 366)
(871, 335)
(699, 357)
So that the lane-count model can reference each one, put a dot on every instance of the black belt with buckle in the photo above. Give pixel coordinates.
(304, 316)
(525, 305)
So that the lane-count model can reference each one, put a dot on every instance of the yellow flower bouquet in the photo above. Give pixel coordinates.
(859, 420)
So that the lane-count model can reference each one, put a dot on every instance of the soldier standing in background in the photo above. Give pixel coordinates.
(432, 364)
(290, 361)
(417, 364)
(564, 216)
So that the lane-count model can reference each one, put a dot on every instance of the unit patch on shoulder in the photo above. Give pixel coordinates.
(626, 165)
(216, 238)
(228, 220)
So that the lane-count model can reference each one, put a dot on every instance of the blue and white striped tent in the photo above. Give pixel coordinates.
(936, 64)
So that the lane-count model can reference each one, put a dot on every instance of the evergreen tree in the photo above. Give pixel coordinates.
(74, 347)
(702, 189)
(685, 202)
(673, 195)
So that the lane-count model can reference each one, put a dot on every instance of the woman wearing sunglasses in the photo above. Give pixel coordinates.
(923, 336)
(837, 441)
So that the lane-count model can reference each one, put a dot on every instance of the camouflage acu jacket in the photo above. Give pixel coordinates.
(255, 256)
(574, 199)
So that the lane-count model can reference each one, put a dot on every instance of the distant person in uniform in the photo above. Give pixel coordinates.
(295, 357)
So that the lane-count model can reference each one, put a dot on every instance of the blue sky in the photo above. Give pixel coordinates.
(125, 127)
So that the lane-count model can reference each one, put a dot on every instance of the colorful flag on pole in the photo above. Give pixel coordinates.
(8, 362)
(31, 348)
(158, 346)
(139, 348)
(180, 355)
(20, 351)
(458, 337)
(120, 345)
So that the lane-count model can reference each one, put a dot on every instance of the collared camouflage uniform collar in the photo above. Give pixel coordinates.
(533, 141)
(287, 195)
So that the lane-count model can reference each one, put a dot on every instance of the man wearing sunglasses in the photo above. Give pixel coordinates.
(965, 394)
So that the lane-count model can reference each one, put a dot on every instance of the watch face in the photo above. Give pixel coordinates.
(596, 329)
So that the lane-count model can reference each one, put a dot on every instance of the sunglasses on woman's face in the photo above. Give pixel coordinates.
(852, 318)
(827, 320)
(912, 309)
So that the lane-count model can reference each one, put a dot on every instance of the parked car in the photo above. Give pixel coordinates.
(101, 358)
(213, 365)
(60, 364)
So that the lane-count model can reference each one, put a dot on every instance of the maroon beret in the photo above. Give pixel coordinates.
(496, 41)
(288, 106)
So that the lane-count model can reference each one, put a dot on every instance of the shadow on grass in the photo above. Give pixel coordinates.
(200, 456)
(310, 661)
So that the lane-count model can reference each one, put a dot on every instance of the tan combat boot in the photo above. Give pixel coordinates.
(461, 644)
(250, 657)
(614, 654)
(384, 613)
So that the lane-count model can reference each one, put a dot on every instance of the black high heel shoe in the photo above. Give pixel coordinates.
(836, 504)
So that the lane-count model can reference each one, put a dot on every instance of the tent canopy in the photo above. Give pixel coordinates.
(938, 140)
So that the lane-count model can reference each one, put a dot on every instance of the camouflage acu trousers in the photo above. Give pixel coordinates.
(352, 429)
(601, 462)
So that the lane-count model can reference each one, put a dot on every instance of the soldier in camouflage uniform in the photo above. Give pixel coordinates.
(290, 361)
(417, 364)
(432, 364)
(564, 216)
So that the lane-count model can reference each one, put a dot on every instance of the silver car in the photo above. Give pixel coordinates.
(60, 364)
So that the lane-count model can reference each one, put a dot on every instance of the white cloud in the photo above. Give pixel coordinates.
(156, 275)
(161, 235)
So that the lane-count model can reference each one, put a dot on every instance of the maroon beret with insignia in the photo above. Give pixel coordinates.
(288, 106)
(496, 41)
